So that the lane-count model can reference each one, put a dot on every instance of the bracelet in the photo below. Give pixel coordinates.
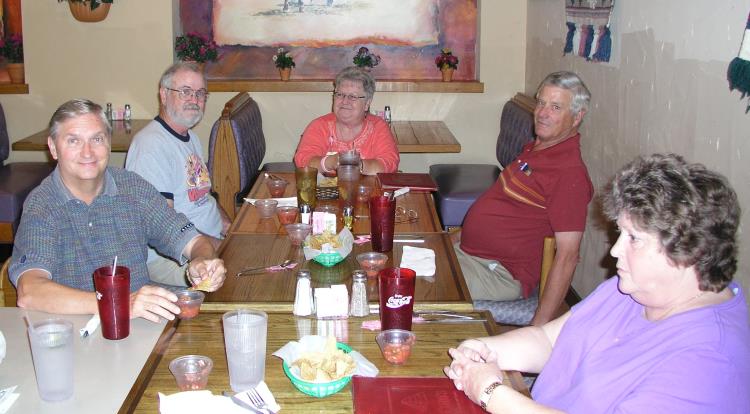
(484, 398)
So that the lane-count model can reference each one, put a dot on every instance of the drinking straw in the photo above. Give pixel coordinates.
(114, 266)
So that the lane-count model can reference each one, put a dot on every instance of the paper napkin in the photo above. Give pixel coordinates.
(419, 259)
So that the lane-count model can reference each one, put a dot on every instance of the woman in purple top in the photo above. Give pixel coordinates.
(670, 334)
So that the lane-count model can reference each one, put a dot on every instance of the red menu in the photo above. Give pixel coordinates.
(415, 181)
(400, 395)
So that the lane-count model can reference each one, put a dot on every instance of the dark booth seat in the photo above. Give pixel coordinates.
(16, 182)
(459, 185)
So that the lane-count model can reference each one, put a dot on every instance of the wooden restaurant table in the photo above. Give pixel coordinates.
(104, 370)
(248, 220)
(411, 137)
(122, 134)
(203, 335)
(253, 242)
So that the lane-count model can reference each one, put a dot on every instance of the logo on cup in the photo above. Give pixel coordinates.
(397, 301)
(98, 295)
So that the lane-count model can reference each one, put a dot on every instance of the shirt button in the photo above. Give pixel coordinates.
(91, 224)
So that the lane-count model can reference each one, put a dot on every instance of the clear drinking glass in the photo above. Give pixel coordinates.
(52, 350)
(245, 342)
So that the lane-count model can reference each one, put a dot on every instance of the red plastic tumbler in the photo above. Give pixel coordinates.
(382, 221)
(113, 300)
(396, 297)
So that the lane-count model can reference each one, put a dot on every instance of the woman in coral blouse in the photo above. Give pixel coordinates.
(349, 127)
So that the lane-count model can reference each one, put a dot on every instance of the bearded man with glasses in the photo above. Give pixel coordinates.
(168, 154)
(350, 126)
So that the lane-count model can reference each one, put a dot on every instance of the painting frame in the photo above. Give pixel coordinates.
(458, 30)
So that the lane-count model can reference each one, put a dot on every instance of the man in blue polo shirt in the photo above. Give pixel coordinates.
(85, 213)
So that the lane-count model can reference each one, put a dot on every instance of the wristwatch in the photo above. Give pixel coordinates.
(485, 396)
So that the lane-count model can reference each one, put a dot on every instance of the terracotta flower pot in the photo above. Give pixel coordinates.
(83, 13)
(447, 74)
(285, 73)
(16, 72)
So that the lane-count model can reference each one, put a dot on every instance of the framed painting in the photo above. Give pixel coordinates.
(323, 36)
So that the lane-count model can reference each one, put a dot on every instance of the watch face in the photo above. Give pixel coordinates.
(487, 393)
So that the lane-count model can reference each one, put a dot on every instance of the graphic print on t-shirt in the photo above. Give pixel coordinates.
(198, 181)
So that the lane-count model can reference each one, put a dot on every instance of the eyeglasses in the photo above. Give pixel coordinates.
(354, 98)
(406, 216)
(186, 93)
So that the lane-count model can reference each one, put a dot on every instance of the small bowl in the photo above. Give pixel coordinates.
(266, 208)
(191, 371)
(287, 214)
(298, 232)
(372, 262)
(276, 187)
(189, 302)
(396, 345)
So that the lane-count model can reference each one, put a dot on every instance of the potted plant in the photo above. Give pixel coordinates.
(447, 63)
(12, 49)
(366, 59)
(194, 47)
(284, 62)
(89, 10)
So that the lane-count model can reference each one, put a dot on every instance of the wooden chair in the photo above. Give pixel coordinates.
(236, 149)
(519, 312)
(7, 290)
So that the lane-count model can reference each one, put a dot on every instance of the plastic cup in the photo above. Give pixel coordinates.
(245, 342)
(382, 220)
(298, 232)
(372, 262)
(396, 291)
(347, 184)
(396, 345)
(351, 157)
(113, 300)
(52, 350)
(266, 207)
(306, 181)
(191, 371)
(287, 214)
(189, 302)
(276, 187)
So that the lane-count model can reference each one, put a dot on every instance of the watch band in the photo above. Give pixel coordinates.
(484, 398)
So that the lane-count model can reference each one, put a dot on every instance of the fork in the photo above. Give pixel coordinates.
(257, 399)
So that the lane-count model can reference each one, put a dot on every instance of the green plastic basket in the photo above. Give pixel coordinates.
(319, 389)
(328, 259)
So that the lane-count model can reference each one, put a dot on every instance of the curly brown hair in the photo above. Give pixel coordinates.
(693, 211)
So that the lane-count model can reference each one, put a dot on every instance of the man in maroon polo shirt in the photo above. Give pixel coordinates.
(545, 191)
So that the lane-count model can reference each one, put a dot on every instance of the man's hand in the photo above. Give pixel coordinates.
(209, 273)
(153, 303)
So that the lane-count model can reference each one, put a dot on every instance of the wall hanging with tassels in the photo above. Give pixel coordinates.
(588, 29)
(739, 68)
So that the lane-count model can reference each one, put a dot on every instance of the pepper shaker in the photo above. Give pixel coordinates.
(127, 114)
(359, 306)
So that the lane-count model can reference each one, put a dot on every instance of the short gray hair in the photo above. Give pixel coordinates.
(73, 109)
(166, 78)
(570, 82)
(355, 74)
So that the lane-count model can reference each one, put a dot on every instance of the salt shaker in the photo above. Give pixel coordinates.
(127, 114)
(359, 306)
(387, 114)
(108, 112)
(304, 213)
(303, 299)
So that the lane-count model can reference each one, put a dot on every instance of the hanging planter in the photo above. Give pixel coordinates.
(89, 11)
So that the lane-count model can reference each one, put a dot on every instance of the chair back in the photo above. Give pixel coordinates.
(7, 290)
(236, 150)
(516, 128)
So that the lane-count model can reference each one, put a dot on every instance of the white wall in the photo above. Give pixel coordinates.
(665, 90)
